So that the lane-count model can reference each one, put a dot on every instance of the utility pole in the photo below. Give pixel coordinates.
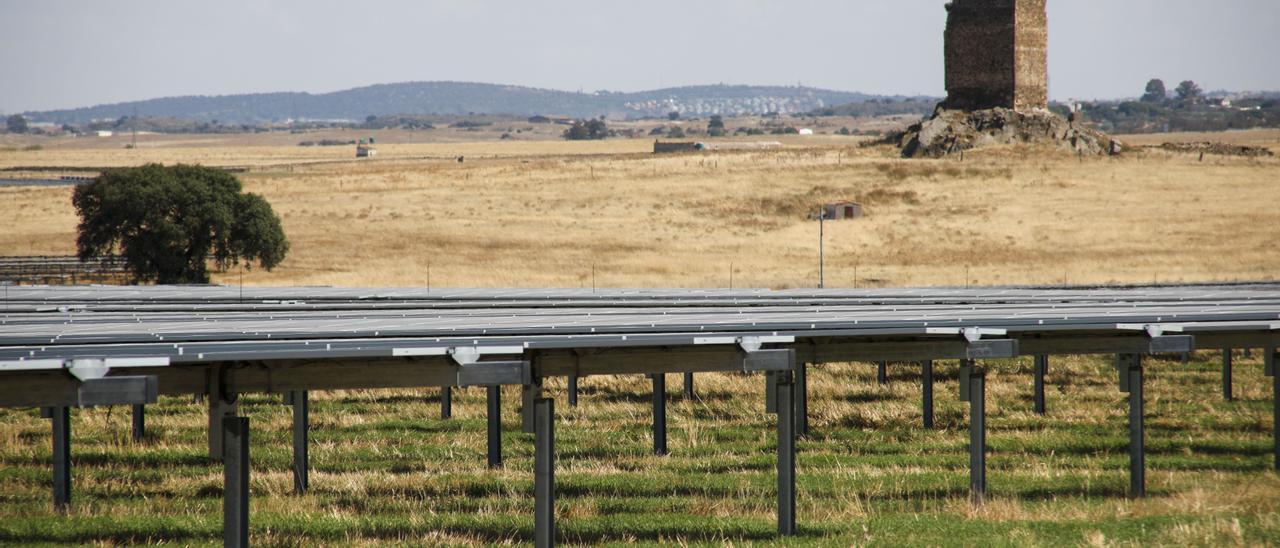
(822, 257)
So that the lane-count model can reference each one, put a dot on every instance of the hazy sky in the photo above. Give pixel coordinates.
(70, 53)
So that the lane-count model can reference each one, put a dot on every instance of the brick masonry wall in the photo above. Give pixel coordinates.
(1031, 56)
(997, 54)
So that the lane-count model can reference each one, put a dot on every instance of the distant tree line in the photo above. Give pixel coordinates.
(915, 106)
(1187, 108)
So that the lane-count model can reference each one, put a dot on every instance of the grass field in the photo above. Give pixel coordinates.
(386, 468)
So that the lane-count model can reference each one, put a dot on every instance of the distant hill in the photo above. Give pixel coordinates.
(454, 98)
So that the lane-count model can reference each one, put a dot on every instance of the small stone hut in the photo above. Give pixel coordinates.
(839, 211)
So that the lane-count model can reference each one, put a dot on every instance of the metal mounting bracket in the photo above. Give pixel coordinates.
(92, 369)
(1124, 363)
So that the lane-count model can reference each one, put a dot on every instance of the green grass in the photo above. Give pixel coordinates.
(386, 469)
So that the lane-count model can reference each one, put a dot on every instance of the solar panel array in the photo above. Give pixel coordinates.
(60, 346)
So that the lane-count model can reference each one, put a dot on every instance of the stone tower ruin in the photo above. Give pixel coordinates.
(997, 54)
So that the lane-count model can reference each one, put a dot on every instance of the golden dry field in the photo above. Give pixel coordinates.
(547, 213)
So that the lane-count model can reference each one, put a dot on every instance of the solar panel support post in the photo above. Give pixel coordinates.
(973, 390)
(544, 473)
(139, 422)
(446, 402)
(882, 373)
(573, 390)
(659, 414)
(235, 495)
(1226, 374)
(927, 392)
(1130, 370)
(301, 425)
(1269, 368)
(1041, 369)
(61, 422)
(963, 376)
(495, 426)
(770, 392)
(802, 399)
(221, 405)
(786, 455)
(688, 386)
(529, 393)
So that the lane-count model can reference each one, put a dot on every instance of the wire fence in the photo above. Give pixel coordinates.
(63, 270)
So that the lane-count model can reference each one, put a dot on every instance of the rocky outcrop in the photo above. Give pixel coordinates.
(1222, 149)
(953, 131)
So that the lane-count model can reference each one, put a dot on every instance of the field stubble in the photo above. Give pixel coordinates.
(547, 214)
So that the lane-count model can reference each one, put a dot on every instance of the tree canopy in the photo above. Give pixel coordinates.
(1188, 91)
(16, 124)
(1156, 92)
(168, 222)
(588, 130)
(715, 128)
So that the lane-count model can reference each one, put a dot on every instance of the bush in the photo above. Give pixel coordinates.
(587, 130)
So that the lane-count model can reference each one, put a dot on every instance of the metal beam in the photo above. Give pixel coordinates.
(134, 389)
(688, 386)
(573, 390)
(926, 390)
(301, 426)
(1122, 344)
(1215, 339)
(45, 388)
(544, 474)
(235, 497)
(495, 426)
(139, 422)
(786, 456)
(1226, 374)
(648, 360)
(446, 402)
(1041, 369)
(882, 373)
(659, 414)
